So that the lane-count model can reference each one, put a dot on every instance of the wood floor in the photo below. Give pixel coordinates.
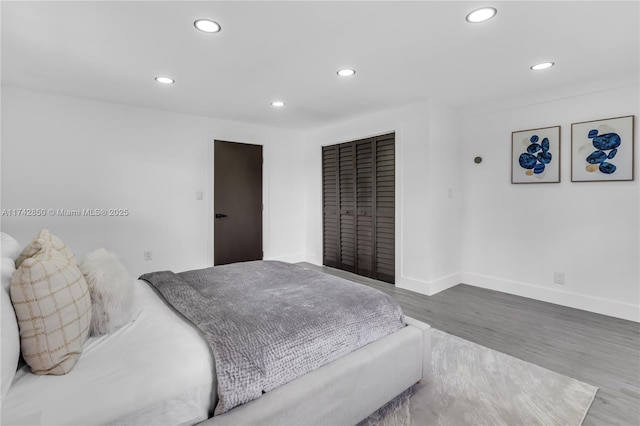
(596, 349)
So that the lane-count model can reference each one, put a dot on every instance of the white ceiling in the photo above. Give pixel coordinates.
(402, 51)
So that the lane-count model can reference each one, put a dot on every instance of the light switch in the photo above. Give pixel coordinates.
(199, 195)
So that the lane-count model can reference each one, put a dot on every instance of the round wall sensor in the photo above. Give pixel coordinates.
(477, 160)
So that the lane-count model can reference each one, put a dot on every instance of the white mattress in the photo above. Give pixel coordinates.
(154, 370)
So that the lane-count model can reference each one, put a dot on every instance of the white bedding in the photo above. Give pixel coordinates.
(154, 370)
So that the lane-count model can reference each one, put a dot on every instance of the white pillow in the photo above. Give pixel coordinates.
(9, 247)
(111, 289)
(10, 335)
(7, 269)
(52, 304)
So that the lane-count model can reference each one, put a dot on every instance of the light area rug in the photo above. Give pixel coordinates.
(474, 385)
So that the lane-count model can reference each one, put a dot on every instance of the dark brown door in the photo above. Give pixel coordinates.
(237, 202)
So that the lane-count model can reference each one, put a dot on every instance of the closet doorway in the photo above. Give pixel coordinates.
(237, 202)
(358, 202)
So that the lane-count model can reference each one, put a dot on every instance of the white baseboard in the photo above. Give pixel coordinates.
(297, 257)
(289, 258)
(612, 308)
(412, 284)
(429, 288)
(444, 283)
(312, 258)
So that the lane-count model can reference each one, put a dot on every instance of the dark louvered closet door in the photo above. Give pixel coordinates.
(365, 184)
(330, 225)
(359, 207)
(385, 208)
(347, 188)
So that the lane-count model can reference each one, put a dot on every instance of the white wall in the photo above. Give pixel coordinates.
(516, 236)
(456, 221)
(491, 233)
(69, 153)
(427, 166)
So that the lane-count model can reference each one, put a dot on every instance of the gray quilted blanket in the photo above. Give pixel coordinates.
(270, 322)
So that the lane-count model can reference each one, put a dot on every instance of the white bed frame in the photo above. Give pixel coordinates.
(345, 391)
(120, 379)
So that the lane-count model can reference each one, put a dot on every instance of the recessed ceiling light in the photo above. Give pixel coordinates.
(165, 80)
(207, 25)
(481, 15)
(277, 104)
(542, 66)
(346, 72)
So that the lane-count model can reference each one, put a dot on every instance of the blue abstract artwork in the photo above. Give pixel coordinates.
(606, 148)
(602, 150)
(535, 155)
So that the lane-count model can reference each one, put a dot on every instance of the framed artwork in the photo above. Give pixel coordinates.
(602, 150)
(535, 155)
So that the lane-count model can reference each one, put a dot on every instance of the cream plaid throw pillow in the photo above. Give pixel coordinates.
(45, 237)
(52, 303)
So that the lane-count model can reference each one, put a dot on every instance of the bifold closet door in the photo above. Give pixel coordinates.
(365, 186)
(347, 206)
(358, 190)
(385, 209)
(330, 203)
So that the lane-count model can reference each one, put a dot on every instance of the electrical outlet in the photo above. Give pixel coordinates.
(148, 255)
(558, 278)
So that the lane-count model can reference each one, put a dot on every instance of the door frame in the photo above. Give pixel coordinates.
(209, 195)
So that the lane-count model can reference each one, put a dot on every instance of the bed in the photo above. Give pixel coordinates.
(158, 369)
